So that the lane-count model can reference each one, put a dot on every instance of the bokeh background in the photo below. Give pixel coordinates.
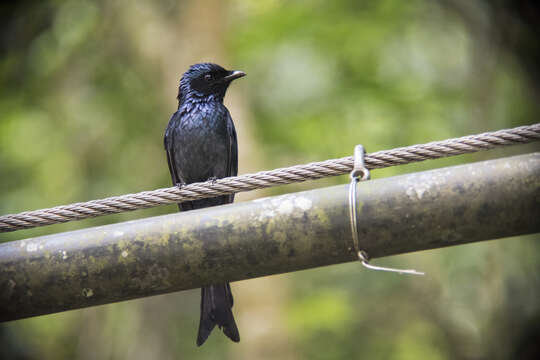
(87, 88)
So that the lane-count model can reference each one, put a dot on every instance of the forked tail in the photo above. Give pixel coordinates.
(216, 309)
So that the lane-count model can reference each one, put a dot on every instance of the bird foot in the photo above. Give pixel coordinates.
(213, 179)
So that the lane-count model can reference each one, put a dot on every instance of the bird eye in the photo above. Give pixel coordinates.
(208, 77)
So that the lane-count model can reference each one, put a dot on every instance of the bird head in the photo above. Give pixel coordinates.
(206, 82)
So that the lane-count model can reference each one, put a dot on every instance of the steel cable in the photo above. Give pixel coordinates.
(264, 179)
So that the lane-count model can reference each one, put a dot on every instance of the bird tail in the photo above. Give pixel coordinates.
(216, 309)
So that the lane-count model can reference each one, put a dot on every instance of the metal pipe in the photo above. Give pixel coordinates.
(432, 209)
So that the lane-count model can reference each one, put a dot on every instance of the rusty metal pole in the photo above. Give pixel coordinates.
(432, 209)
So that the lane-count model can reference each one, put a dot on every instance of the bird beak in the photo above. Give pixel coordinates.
(234, 74)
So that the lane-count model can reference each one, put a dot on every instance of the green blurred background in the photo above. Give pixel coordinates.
(87, 88)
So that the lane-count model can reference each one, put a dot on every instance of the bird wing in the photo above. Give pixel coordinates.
(232, 166)
(168, 140)
(176, 174)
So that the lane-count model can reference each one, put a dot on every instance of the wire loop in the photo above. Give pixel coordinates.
(361, 173)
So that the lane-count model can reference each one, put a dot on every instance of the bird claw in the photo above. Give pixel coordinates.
(180, 185)
(213, 179)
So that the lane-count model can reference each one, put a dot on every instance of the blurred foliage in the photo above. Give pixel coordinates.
(85, 97)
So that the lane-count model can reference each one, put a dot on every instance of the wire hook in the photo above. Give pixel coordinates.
(361, 173)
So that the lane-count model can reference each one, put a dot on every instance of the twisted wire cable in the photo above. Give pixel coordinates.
(264, 179)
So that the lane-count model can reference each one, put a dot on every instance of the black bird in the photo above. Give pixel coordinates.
(200, 141)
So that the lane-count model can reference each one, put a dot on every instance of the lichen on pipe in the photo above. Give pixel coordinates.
(425, 210)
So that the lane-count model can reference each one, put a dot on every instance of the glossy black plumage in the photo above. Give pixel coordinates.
(200, 141)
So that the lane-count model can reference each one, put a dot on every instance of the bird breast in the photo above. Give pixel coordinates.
(204, 142)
